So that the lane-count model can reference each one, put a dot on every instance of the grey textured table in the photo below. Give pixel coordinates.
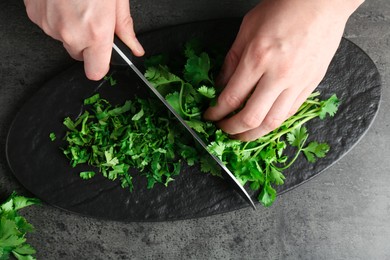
(341, 214)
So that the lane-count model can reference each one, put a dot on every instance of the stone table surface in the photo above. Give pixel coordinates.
(341, 214)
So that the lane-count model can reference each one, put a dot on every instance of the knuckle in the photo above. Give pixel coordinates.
(230, 100)
(250, 121)
(284, 69)
(271, 123)
(232, 57)
(66, 36)
(98, 34)
(292, 111)
(259, 52)
(126, 21)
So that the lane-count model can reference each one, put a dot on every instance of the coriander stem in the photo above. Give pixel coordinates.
(181, 102)
(296, 155)
(259, 148)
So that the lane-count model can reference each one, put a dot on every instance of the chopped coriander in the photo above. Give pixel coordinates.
(110, 79)
(52, 136)
(87, 175)
(135, 134)
(92, 99)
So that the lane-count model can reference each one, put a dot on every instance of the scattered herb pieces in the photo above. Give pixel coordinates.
(52, 136)
(110, 79)
(13, 228)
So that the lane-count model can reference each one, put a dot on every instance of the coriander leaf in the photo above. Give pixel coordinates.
(280, 146)
(189, 153)
(197, 69)
(267, 195)
(87, 175)
(22, 202)
(208, 165)
(23, 225)
(255, 185)
(329, 106)
(208, 92)
(10, 236)
(25, 249)
(14, 227)
(297, 136)
(197, 125)
(8, 205)
(217, 148)
(192, 48)
(161, 76)
(315, 149)
(156, 60)
(276, 176)
(174, 100)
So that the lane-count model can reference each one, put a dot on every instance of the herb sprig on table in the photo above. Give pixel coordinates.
(137, 135)
(14, 227)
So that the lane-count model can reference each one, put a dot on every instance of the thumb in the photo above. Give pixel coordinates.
(124, 27)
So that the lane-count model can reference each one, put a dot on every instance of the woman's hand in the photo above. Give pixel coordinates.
(280, 55)
(86, 28)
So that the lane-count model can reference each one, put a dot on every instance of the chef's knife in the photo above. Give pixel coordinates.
(121, 49)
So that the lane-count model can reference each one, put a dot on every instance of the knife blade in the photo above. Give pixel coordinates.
(121, 49)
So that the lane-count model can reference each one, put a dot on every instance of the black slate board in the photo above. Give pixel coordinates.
(42, 169)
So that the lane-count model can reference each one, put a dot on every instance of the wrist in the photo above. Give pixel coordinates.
(345, 8)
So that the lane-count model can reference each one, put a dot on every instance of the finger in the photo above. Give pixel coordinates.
(278, 113)
(124, 28)
(300, 99)
(231, 60)
(256, 108)
(31, 10)
(240, 85)
(73, 52)
(37, 12)
(229, 66)
(97, 59)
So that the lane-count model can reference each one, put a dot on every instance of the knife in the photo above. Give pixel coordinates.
(121, 49)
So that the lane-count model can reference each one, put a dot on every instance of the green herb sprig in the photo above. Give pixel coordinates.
(14, 227)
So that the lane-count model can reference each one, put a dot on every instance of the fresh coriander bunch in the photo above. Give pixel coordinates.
(14, 227)
(259, 163)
